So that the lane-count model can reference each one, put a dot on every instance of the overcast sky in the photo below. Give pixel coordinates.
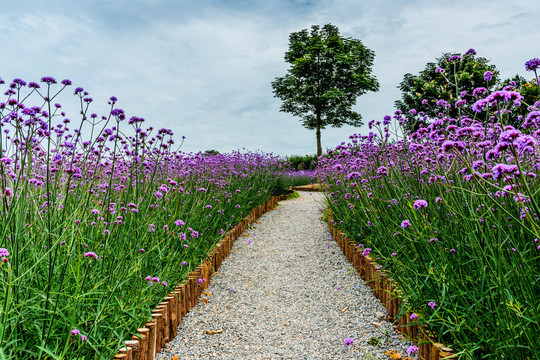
(204, 68)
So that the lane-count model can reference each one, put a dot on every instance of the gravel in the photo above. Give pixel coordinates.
(286, 292)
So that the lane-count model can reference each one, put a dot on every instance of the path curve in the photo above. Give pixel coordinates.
(286, 292)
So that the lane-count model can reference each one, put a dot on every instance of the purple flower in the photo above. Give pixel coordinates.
(179, 223)
(418, 204)
(439, 70)
(95, 211)
(349, 341)
(75, 332)
(383, 171)
(4, 252)
(414, 317)
(164, 283)
(405, 224)
(48, 80)
(91, 254)
(503, 169)
(412, 349)
(454, 58)
(532, 64)
(438, 200)
(366, 252)
(84, 338)
(470, 52)
(488, 75)
(431, 304)
(200, 281)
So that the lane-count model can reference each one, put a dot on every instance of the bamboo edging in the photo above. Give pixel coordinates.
(167, 316)
(386, 290)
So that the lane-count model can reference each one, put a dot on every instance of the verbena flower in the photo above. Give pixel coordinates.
(91, 254)
(349, 341)
(419, 204)
(432, 304)
(414, 317)
(75, 332)
(412, 349)
(532, 64)
(405, 224)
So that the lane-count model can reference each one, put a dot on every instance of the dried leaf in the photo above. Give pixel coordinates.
(207, 293)
(175, 357)
(344, 309)
(258, 222)
(213, 332)
(205, 300)
(393, 354)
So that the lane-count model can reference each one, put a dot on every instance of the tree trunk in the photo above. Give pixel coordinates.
(318, 134)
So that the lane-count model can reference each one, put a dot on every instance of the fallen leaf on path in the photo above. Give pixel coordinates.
(205, 300)
(175, 357)
(344, 309)
(258, 222)
(213, 332)
(207, 293)
(393, 354)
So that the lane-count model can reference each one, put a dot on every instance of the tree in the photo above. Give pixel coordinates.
(327, 74)
(452, 78)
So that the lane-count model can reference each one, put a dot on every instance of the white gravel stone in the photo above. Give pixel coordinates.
(283, 294)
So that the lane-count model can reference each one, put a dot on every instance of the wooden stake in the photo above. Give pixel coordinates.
(144, 333)
(128, 352)
(135, 347)
(152, 339)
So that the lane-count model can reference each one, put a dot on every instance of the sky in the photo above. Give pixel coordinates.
(204, 68)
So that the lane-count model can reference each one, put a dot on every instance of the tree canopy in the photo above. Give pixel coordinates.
(452, 84)
(328, 73)
(452, 78)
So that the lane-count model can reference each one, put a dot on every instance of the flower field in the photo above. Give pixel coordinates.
(451, 212)
(99, 217)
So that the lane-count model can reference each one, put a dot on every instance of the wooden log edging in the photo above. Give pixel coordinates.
(386, 290)
(167, 316)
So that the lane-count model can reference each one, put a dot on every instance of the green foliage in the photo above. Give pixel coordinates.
(306, 162)
(458, 76)
(328, 72)
(531, 94)
(210, 152)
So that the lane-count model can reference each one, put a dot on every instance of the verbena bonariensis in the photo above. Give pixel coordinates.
(451, 211)
(100, 218)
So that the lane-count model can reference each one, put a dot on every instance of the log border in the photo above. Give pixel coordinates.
(387, 291)
(167, 316)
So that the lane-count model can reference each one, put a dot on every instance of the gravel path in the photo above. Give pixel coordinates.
(286, 292)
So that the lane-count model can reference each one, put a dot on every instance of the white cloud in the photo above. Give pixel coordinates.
(204, 68)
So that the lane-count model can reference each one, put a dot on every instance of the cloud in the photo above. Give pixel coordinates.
(204, 69)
